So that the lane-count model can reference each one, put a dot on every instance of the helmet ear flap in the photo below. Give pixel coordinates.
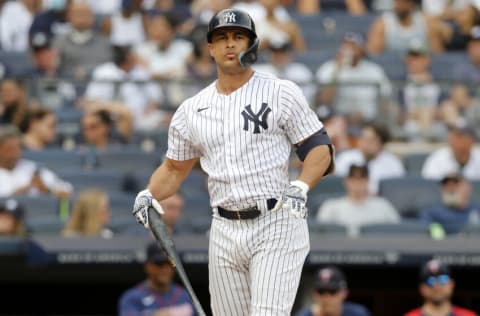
(249, 57)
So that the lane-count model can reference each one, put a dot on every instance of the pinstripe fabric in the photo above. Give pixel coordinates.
(255, 265)
(244, 140)
(243, 166)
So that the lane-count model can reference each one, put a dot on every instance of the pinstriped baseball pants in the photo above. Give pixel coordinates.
(255, 265)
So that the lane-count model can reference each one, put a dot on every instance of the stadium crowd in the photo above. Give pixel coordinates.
(88, 88)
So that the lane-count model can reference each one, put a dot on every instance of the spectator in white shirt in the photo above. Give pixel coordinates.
(353, 85)
(282, 65)
(21, 176)
(357, 207)
(123, 81)
(164, 55)
(460, 156)
(127, 26)
(371, 151)
(15, 21)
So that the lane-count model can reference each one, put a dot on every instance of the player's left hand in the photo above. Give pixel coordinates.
(295, 199)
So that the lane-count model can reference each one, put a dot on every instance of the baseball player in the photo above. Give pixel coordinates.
(241, 128)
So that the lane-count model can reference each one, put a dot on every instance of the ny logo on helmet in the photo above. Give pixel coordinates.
(230, 17)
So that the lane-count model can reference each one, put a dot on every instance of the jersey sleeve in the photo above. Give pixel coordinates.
(180, 145)
(298, 119)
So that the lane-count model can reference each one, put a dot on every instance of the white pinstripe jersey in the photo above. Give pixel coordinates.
(243, 139)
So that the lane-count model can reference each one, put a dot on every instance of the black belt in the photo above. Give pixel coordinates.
(249, 213)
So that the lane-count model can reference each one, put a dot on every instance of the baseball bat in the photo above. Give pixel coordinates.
(162, 236)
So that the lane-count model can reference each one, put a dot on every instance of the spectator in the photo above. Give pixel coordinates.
(164, 56)
(460, 156)
(456, 209)
(371, 151)
(52, 21)
(48, 89)
(329, 295)
(12, 219)
(436, 287)
(173, 208)
(451, 15)
(200, 66)
(81, 49)
(354, 7)
(272, 30)
(421, 96)
(203, 10)
(393, 31)
(353, 85)
(39, 129)
(178, 9)
(281, 64)
(90, 216)
(470, 72)
(13, 104)
(22, 176)
(127, 26)
(461, 106)
(98, 130)
(157, 294)
(357, 208)
(104, 8)
(123, 83)
(15, 20)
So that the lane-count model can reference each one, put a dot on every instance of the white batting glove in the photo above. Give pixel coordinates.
(143, 202)
(295, 198)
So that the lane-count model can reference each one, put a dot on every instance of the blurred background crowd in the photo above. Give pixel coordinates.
(88, 88)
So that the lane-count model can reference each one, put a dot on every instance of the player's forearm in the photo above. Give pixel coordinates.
(315, 165)
(168, 178)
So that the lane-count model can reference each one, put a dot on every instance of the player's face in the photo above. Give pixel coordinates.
(227, 44)
(330, 301)
(437, 292)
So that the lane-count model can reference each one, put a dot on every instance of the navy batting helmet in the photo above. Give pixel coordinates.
(241, 19)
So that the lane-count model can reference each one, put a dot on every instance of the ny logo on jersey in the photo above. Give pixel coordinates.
(230, 17)
(248, 115)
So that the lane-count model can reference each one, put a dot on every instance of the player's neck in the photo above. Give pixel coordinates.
(437, 310)
(229, 82)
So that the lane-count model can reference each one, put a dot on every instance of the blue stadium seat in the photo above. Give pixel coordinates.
(442, 65)
(39, 206)
(156, 140)
(121, 203)
(326, 229)
(413, 162)
(102, 179)
(128, 160)
(46, 225)
(402, 228)
(410, 194)
(19, 64)
(392, 63)
(329, 184)
(313, 59)
(476, 191)
(56, 159)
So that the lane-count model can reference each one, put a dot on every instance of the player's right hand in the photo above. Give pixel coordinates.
(143, 202)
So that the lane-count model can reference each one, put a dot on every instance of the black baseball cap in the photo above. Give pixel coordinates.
(330, 278)
(12, 207)
(358, 171)
(462, 127)
(155, 254)
(434, 268)
(40, 40)
(451, 177)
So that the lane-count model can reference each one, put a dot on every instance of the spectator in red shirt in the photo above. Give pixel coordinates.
(436, 287)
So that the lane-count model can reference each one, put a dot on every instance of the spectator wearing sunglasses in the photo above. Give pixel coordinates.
(329, 295)
(436, 288)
